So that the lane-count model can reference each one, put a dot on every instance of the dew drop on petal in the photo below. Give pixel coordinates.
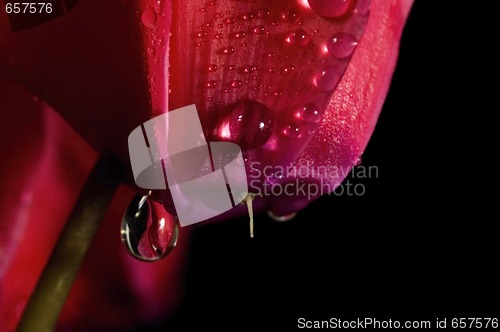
(328, 78)
(246, 17)
(148, 231)
(330, 8)
(292, 130)
(249, 124)
(229, 20)
(227, 50)
(149, 18)
(289, 15)
(259, 29)
(239, 34)
(298, 38)
(341, 45)
(263, 13)
(309, 113)
(362, 7)
(236, 84)
(201, 34)
(211, 84)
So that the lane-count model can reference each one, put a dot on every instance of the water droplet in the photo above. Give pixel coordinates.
(330, 8)
(212, 3)
(211, 84)
(246, 17)
(231, 67)
(289, 15)
(248, 69)
(229, 20)
(212, 68)
(298, 38)
(201, 34)
(328, 78)
(263, 13)
(358, 161)
(309, 113)
(219, 15)
(149, 18)
(203, 9)
(236, 84)
(249, 124)
(227, 50)
(287, 70)
(239, 34)
(219, 36)
(292, 131)
(259, 29)
(362, 7)
(148, 231)
(341, 45)
(201, 44)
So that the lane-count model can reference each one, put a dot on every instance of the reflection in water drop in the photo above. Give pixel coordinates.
(148, 231)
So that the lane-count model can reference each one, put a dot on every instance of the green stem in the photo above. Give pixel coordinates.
(45, 304)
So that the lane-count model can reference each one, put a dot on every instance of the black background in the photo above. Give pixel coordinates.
(420, 244)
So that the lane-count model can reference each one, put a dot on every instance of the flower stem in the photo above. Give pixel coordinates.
(45, 304)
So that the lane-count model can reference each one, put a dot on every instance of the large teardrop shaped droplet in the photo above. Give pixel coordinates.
(148, 231)
(249, 124)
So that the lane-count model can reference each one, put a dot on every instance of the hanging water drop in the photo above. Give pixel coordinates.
(148, 231)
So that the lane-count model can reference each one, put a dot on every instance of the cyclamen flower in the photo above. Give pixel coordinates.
(308, 78)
